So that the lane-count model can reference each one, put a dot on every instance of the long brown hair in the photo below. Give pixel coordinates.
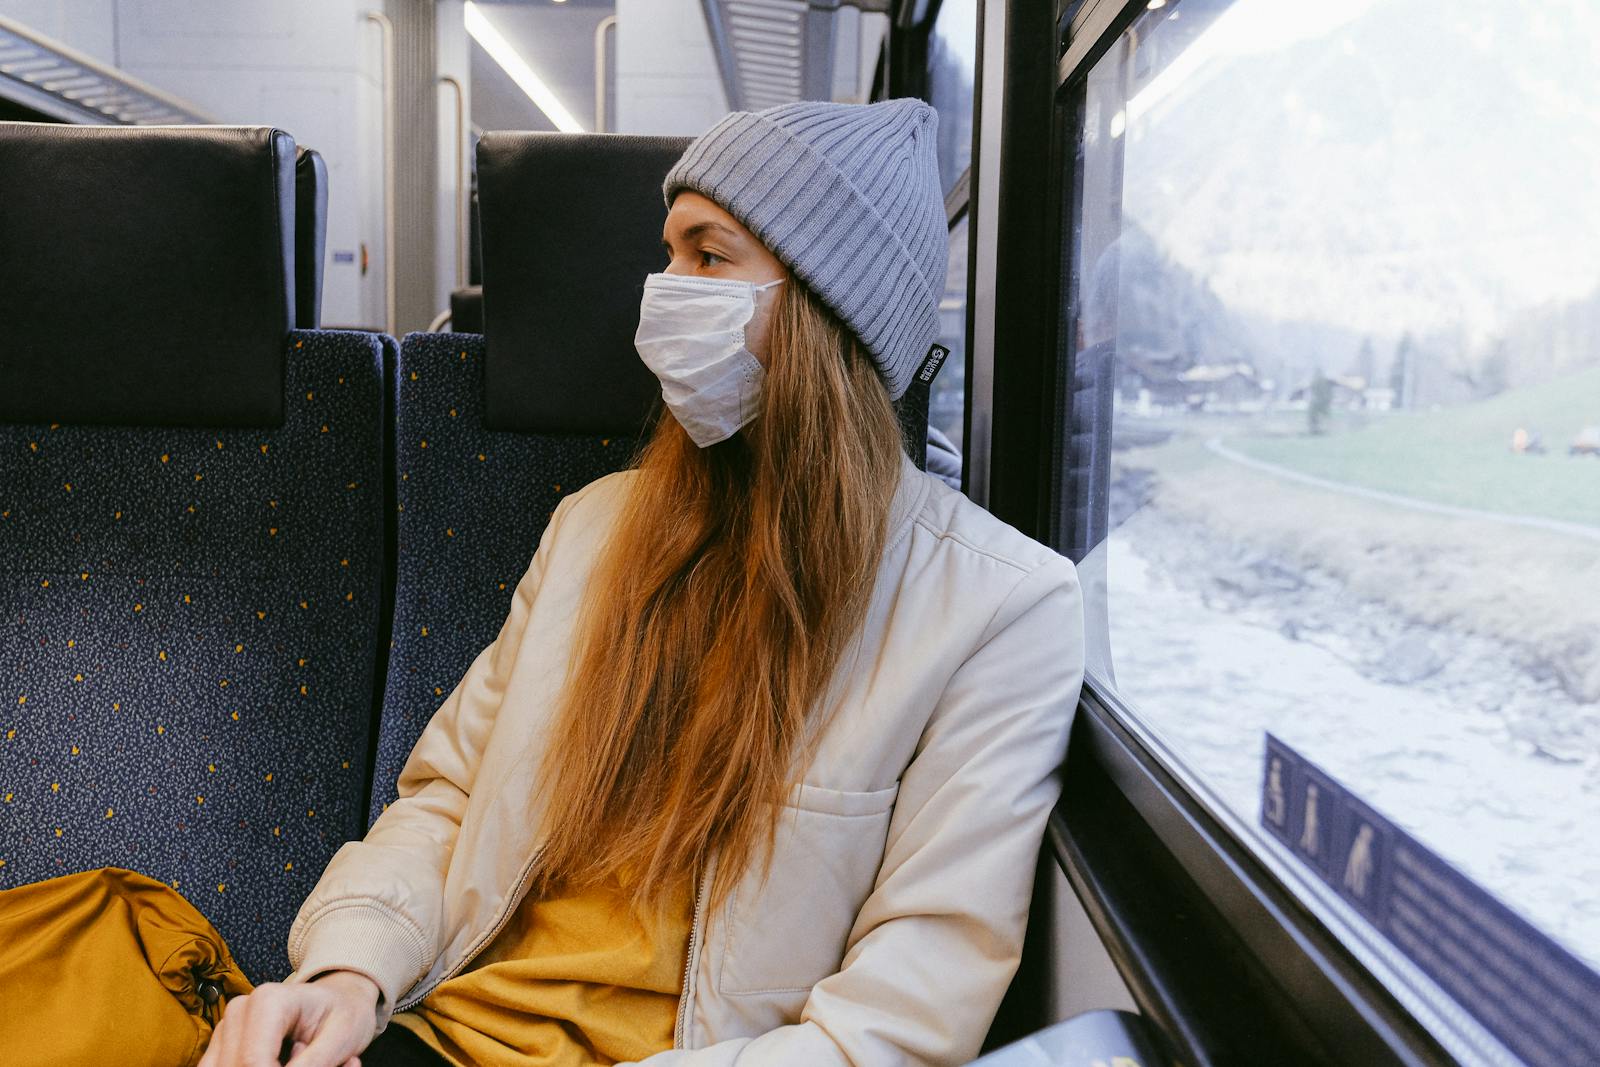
(732, 582)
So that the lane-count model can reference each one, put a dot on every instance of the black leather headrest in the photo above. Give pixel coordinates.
(571, 224)
(466, 310)
(146, 273)
(310, 235)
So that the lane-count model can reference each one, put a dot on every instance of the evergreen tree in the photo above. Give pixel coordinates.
(1367, 363)
(1321, 403)
(1401, 370)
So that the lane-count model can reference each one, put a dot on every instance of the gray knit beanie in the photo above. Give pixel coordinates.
(847, 196)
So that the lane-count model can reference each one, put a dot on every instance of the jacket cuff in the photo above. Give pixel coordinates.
(368, 939)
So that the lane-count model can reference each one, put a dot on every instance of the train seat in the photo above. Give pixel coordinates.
(492, 430)
(310, 235)
(466, 310)
(191, 527)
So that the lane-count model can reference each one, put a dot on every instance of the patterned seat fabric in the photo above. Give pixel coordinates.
(472, 505)
(188, 646)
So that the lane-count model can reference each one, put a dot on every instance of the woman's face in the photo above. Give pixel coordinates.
(702, 239)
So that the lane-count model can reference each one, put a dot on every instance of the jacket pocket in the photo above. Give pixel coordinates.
(787, 932)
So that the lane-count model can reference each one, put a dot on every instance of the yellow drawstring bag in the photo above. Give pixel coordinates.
(109, 966)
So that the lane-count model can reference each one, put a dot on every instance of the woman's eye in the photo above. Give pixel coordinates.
(706, 259)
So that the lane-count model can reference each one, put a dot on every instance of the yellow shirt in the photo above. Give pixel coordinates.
(573, 979)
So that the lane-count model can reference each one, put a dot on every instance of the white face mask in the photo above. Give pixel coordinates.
(691, 335)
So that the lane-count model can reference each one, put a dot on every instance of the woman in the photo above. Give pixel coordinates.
(757, 769)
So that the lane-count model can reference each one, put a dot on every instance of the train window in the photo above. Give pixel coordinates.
(951, 73)
(947, 398)
(952, 63)
(1333, 315)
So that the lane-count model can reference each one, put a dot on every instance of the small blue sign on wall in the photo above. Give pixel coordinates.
(1534, 996)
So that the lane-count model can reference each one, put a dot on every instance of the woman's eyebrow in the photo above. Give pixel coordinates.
(701, 227)
(698, 229)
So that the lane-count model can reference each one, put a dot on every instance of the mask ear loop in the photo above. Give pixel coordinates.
(756, 299)
(756, 303)
(756, 291)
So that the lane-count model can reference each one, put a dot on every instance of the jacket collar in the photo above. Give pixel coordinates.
(909, 496)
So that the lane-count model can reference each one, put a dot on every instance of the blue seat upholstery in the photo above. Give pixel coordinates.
(188, 646)
(472, 504)
(492, 431)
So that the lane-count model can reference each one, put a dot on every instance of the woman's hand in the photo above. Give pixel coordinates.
(325, 1022)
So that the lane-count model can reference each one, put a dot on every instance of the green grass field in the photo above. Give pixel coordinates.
(1461, 455)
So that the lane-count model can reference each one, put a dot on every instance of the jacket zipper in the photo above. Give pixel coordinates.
(471, 954)
(688, 962)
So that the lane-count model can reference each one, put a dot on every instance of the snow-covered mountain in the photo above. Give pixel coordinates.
(1378, 167)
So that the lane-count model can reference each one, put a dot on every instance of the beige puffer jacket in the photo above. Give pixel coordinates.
(893, 918)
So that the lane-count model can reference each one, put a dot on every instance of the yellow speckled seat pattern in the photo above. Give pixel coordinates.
(188, 645)
(472, 504)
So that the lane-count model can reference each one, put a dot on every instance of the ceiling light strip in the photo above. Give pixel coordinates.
(510, 60)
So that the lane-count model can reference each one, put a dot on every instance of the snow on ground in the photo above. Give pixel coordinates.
(1449, 733)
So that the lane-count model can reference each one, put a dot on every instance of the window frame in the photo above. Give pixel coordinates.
(1217, 935)
(1230, 953)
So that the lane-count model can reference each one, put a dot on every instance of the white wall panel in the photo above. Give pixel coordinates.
(1083, 978)
(275, 34)
(666, 79)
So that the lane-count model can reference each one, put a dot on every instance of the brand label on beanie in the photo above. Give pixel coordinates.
(931, 365)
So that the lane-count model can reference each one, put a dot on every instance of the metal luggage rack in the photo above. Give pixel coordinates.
(58, 82)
